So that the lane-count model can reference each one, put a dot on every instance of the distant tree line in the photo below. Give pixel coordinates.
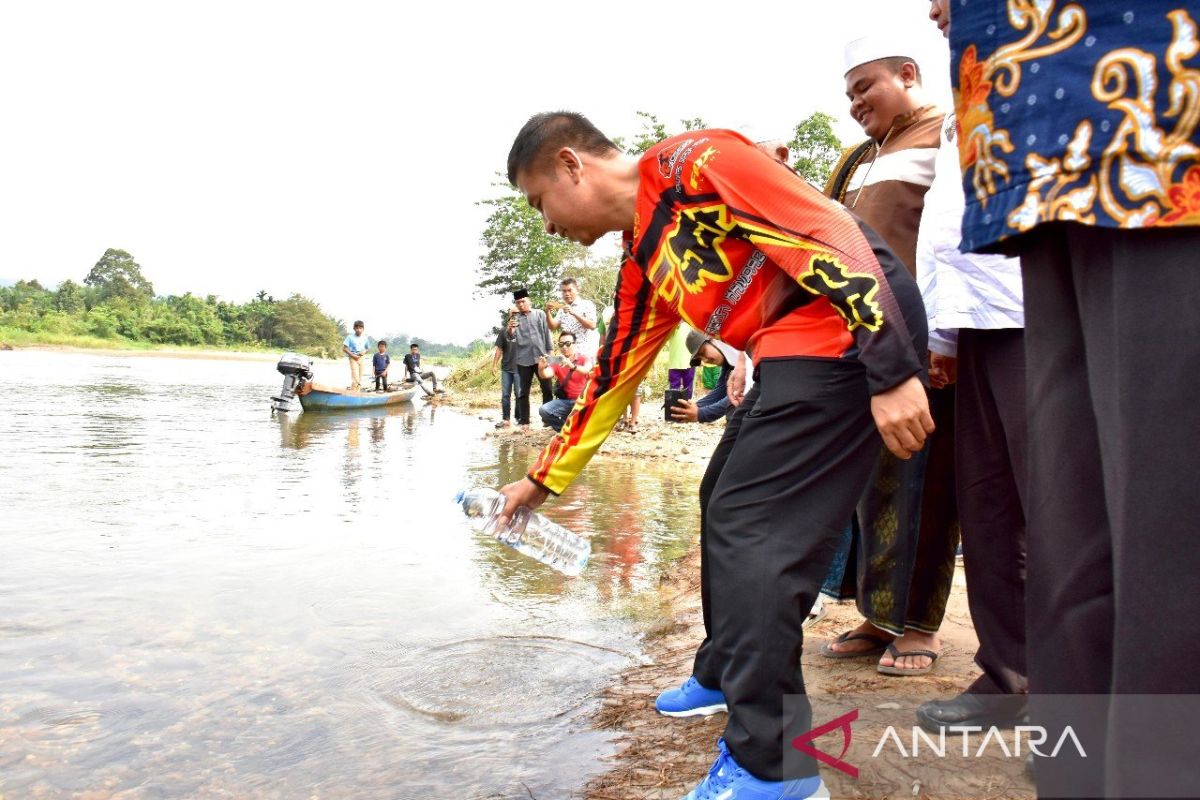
(116, 301)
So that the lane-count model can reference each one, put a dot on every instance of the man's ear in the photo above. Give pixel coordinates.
(781, 153)
(570, 161)
(908, 75)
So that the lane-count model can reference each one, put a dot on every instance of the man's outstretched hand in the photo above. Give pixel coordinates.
(520, 493)
(902, 416)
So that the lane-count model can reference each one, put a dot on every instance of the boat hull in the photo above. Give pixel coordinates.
(324, 398)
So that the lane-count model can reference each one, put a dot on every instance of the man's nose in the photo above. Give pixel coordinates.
(550, 229)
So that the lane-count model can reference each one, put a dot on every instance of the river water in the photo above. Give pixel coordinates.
(198, 599)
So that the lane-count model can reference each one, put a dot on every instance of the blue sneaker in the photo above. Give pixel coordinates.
(727, 781)
(690, 700)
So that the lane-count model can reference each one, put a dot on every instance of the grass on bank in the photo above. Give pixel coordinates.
(22, 338)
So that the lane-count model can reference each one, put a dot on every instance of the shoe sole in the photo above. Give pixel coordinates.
(700, 711)
(813, 619)
(1004, 721)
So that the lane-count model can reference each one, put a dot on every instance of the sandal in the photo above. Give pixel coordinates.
(900, 671)
(813, 619)
(881, 645)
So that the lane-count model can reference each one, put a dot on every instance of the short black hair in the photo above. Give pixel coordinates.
(358, 323)
(381, 342)
(414, 344)
(551, 131)
(896, 63)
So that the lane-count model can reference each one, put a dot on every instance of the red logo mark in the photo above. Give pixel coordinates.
(803, 743)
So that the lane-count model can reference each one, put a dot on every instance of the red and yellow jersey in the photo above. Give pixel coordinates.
(740, 247)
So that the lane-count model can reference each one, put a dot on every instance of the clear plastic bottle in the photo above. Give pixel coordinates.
(528, 533)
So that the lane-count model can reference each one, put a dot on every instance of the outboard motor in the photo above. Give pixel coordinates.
(296, 370)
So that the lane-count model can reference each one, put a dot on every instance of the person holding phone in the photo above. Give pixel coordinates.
(570, 371)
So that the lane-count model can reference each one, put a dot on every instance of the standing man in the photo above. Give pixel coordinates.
(355, 346)
(577, 316)
(717, 233)
(976, 320)
(505, 355)
(533, 342)
(906, 532)
(1087, 166)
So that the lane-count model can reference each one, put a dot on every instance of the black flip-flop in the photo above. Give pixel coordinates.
(881, 645)
(902, 672)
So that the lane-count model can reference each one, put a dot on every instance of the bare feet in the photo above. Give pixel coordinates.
(861, 645)
(912, 640)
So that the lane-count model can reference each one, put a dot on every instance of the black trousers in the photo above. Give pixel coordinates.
(990, 467)
(1113, 359)
(525, 376)
(798, 464)
(706, 669)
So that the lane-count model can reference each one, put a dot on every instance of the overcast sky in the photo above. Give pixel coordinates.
(337, 149)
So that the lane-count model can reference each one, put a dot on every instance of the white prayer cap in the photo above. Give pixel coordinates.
(877, 46)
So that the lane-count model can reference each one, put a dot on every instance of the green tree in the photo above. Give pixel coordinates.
(300, 324)
(518, 252)
(597, 277)
(815, 148)
(29, 297)
(68, 298)
(116, 274)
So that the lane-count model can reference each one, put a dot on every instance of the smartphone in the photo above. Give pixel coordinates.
(555, 359)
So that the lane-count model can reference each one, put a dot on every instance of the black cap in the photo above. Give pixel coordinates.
(696, 340)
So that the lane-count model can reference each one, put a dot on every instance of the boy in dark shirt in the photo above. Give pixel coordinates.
(381, 360)
(412, 366)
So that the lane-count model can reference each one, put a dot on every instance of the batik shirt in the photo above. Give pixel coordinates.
(1086, 112)
(736, 245)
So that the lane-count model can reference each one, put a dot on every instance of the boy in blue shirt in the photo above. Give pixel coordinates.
(355, 347)
(380, 361)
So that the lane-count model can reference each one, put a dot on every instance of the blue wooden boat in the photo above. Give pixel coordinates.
(315, 397)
